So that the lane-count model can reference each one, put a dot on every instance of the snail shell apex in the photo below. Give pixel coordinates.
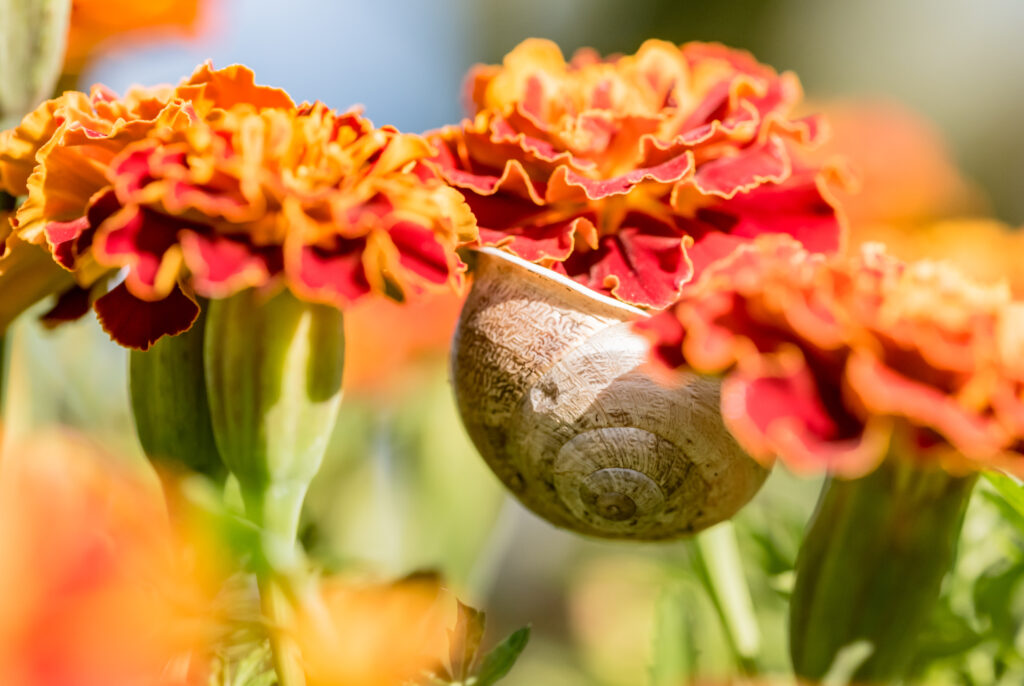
(550, 380)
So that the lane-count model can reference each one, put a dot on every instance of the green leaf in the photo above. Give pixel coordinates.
(464, 642)
(1012, 494)
(498, 663)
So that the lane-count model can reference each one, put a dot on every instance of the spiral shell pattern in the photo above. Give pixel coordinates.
(550, 381)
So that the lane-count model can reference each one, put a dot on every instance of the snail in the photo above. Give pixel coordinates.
(549, 378)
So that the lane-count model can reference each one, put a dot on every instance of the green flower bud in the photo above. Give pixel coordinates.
(273, 376)
(33, 34)
(168, 394)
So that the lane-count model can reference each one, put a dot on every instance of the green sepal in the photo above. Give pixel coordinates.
(168, 393)
(871, 566)
(33, 34)
(273, 375)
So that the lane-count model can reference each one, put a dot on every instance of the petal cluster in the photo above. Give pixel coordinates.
(832, 363)
(631, 174)
(219, 185)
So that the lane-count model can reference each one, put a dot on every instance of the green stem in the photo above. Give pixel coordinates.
(871, 567)
(722, 573)
(279, 613)
(273, 368)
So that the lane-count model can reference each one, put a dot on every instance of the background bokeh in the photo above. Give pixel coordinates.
(403, 490)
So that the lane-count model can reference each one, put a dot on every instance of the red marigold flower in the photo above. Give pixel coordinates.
(632, 174)
(830, 360)
(221, 185)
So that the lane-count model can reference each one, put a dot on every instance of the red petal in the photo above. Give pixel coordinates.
(136, 323)
(666, 333)
(784, 415)
(753, 166)
(420, 253)
(72, 304)
(221, 266)
(797, 207)
(534, 242)
(644, 263)
(567, 184)
(335, 275)
(139, 239)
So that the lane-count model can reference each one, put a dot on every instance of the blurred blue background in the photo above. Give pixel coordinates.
(960, 63)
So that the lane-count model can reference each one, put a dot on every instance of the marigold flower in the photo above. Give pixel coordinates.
(98, 587)
(905, 173)
(94, 22)
(984, 249)
(367, 634)
(219, 185)
(829, 360)
(631, 174)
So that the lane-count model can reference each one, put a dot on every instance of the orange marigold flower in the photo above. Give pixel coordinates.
(632, 174)
(98, 587)
(222, 186)
(905, 172)
(984, 249)
(830, 360)
(369, 634)
(94, 22)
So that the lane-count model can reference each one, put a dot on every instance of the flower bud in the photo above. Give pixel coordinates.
(273, 378)
(32, 38)
(168, 394)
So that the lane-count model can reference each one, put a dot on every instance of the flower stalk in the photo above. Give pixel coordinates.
(871, 567)
(273, 375)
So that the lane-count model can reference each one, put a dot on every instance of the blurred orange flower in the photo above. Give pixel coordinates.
(631, 174)
(94, 22)
(986, 250)
(364, 634)
(219, 185)
(97, 588)
(832, 362)
(905, 172)
(384, 340)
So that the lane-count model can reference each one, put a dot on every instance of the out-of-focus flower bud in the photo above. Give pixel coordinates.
(32, 38)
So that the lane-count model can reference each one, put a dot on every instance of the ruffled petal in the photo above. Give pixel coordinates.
(136, 323)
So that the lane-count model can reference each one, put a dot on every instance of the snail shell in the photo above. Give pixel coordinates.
(550, 381)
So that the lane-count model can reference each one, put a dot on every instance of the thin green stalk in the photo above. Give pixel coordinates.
(721, 567)
(273, 368)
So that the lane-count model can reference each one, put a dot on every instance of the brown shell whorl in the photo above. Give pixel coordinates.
(549, 379)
